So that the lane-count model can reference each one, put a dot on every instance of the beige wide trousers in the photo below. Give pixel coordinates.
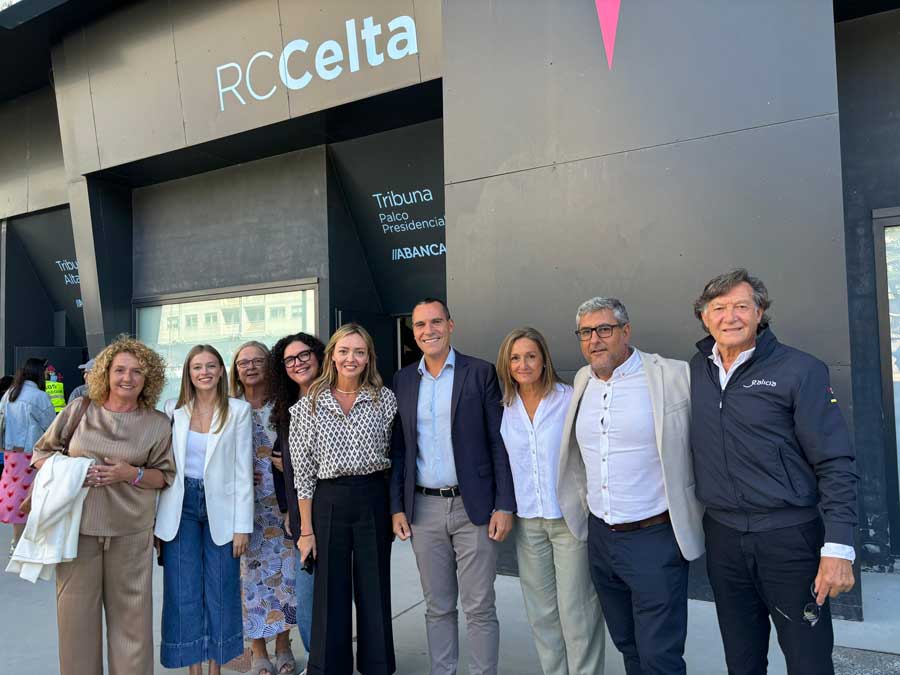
(112, 574)
(560, 600)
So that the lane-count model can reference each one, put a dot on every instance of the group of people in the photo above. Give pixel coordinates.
(285, 492)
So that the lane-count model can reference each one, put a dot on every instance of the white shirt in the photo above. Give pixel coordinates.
(830, 549)
(533, 449)
(617, 438)
(195, 455)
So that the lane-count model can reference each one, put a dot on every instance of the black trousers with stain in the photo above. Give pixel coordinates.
(757, 575)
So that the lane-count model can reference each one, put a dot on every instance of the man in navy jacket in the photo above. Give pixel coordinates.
(451, 488)
(776, 471)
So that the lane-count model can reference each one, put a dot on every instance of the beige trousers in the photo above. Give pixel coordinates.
(560, 600)
(112, 574)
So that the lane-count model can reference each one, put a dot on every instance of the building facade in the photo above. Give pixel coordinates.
(223, 170)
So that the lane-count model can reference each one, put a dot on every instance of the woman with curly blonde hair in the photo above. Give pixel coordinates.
(130, 443)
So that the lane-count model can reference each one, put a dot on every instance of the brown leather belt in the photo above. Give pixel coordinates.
(640, 524)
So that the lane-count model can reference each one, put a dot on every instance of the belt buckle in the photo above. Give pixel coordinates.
(449, 492)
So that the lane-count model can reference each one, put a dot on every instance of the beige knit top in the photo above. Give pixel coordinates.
(142, 438)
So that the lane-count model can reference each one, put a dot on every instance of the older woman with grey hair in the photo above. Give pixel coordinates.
(560, 602)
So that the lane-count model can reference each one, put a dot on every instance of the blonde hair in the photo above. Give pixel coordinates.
(189, 392)
(328, 377)
(151, 363)
(236, 389)
(549, 377)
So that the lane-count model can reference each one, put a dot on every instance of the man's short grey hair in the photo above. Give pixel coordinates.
(724, 283)
(598, 304)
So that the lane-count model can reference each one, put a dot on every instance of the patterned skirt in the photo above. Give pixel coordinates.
(14, 484)
(268, 570)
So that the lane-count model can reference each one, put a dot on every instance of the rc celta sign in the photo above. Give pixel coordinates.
(332, 58)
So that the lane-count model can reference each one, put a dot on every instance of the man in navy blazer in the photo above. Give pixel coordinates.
(451, 488)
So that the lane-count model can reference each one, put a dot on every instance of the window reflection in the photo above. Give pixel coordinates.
(224, 323)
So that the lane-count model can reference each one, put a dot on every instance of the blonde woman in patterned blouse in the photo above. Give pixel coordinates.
(339, 442)
(132, 445)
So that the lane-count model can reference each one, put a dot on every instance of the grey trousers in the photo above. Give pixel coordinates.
(560, 600)
(456, 558)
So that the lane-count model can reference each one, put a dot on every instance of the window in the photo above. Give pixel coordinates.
(242, 318)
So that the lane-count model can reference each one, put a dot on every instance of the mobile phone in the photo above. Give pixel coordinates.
(309, 565)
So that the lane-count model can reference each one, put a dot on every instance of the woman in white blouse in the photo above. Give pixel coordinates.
(560, 600)
(205, 518)
(339, 442)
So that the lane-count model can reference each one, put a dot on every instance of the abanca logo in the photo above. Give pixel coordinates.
(761, 383)
(608, 14)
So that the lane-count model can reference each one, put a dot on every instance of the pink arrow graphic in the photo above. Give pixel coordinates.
(608, 13)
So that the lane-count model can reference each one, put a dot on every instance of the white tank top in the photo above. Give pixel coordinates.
(195, 457)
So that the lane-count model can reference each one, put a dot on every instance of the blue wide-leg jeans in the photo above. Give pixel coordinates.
(201, 617)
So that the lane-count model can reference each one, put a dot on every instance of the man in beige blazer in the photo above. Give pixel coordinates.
(626, 485)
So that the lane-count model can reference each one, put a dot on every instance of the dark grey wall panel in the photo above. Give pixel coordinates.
(254, 223)
(868, 60)
(527, 84)
(651, 227)
(29, 310)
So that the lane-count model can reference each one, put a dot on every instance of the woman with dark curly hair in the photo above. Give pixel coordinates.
(294, 364)
(131, 444)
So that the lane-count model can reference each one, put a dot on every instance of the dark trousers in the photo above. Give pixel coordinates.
(641, 580)
(352, 523)
(757, 575)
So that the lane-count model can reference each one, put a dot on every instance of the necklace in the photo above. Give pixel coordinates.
(341, 391)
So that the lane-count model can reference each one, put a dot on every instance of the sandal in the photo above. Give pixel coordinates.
(285, 659)
(260, 665)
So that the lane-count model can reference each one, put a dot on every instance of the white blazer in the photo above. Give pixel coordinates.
(670, 394)
(227, 475)
(51, 533)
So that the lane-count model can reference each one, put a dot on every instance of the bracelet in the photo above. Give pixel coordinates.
(311, 534)
(139, 477)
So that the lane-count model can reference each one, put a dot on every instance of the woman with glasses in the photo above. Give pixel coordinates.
(560, 600)
(28, 413)
(268, 571)
(295, 363)
(205, 518)
(339, 441)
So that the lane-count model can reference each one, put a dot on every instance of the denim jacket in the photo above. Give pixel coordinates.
(27, 418)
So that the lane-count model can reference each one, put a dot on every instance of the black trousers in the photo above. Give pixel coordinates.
(757, 575)
(641, 579)
(352, 523)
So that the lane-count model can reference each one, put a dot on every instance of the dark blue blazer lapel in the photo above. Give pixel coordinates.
(461, 369)
(411, 396)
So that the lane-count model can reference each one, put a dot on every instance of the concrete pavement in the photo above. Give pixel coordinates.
(28, 643)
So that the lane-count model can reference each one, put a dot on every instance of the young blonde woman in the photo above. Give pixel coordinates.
(205, 518)
(560, 600)
(339, 442)
(268, 570)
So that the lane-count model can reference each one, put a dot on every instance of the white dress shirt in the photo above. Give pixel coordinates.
(533, 449)
(617, 438)
(830, 549)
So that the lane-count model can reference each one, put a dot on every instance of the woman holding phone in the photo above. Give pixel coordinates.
(205, 518)
(339, 441)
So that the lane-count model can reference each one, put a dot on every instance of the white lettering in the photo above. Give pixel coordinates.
(402, 41)
(324, 60)
(298, 45)
(368, 33)
(352, 46)
(408, 35)
(250, 86)
(232, 88)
